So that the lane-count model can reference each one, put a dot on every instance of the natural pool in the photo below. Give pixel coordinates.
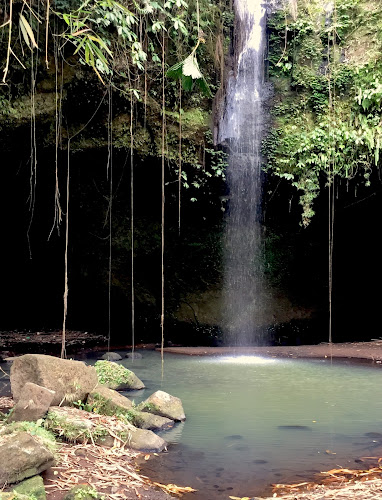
(255, 421)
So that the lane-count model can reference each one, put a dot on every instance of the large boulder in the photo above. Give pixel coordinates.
(117, 377)
(23, 456)
(109, 402)
(70, 380)
(163, 404)
(33, 403)
(82, 427)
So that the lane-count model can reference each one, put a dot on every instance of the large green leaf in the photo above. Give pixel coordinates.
(188, 71)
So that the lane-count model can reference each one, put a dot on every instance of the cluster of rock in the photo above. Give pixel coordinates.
(79, 403)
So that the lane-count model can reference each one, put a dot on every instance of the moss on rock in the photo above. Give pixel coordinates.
(117, 377)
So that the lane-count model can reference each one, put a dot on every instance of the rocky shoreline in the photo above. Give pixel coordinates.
(107, 461)
(60, 407)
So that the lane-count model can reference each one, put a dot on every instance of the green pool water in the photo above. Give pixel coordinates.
(254, 421)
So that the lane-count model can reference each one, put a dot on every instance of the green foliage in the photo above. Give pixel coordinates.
(83, 492)
(327, 121)
(148, 407)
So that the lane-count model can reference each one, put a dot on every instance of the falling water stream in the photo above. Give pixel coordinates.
(241, 129)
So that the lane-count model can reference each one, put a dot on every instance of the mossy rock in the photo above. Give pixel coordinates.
(33, 486)
(34, 429)
(73, 425)
(23, 456)
(117, 377)
(80, 426)
(108, 402)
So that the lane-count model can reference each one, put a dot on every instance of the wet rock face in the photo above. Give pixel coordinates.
(23, 456)
(163, 404)
(70, 380)
(33, 403)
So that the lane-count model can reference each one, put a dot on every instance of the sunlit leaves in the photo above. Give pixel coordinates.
(188, 71)
(27, 33)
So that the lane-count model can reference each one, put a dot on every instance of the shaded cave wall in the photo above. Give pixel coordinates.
(296, 258)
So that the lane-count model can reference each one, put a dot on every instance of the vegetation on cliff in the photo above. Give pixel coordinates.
(326, 66)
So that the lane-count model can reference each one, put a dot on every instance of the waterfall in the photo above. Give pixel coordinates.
(241, 130)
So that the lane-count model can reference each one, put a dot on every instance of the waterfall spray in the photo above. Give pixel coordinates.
(241, 130)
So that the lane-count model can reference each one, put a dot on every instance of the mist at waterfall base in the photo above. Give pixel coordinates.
(241, 130)
(252, 422)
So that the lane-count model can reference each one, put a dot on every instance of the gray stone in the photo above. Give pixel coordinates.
(71, 380)
(33, 403)
(145, 440)
(111, 356)
(163, 404)
(22, 456)
(151, 422)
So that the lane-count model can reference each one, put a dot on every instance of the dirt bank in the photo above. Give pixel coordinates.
(357, 351)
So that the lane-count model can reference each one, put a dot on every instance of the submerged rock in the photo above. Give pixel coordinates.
(374, 435)
(117, 377)
(22, 456)
(134, 355)
(163, 404)
(33, 403)
(294, 427)
(70, 380)
(111, 356)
